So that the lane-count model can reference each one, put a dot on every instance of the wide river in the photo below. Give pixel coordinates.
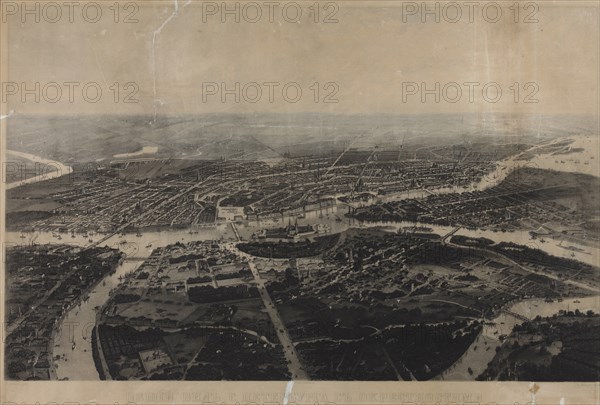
(483, 349)
(46, 169)
(76, 362)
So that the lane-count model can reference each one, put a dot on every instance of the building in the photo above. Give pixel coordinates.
(230, 213)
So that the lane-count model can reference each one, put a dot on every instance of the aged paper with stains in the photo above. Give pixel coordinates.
(300, 202)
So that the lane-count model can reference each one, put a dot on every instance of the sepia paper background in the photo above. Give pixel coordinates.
(369, 53)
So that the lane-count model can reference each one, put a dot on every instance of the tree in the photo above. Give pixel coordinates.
(16, 367)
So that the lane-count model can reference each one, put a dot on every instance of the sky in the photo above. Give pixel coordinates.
(370, 58)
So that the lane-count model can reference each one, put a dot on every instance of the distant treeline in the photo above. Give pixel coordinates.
(204, 294)
(286, 250)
